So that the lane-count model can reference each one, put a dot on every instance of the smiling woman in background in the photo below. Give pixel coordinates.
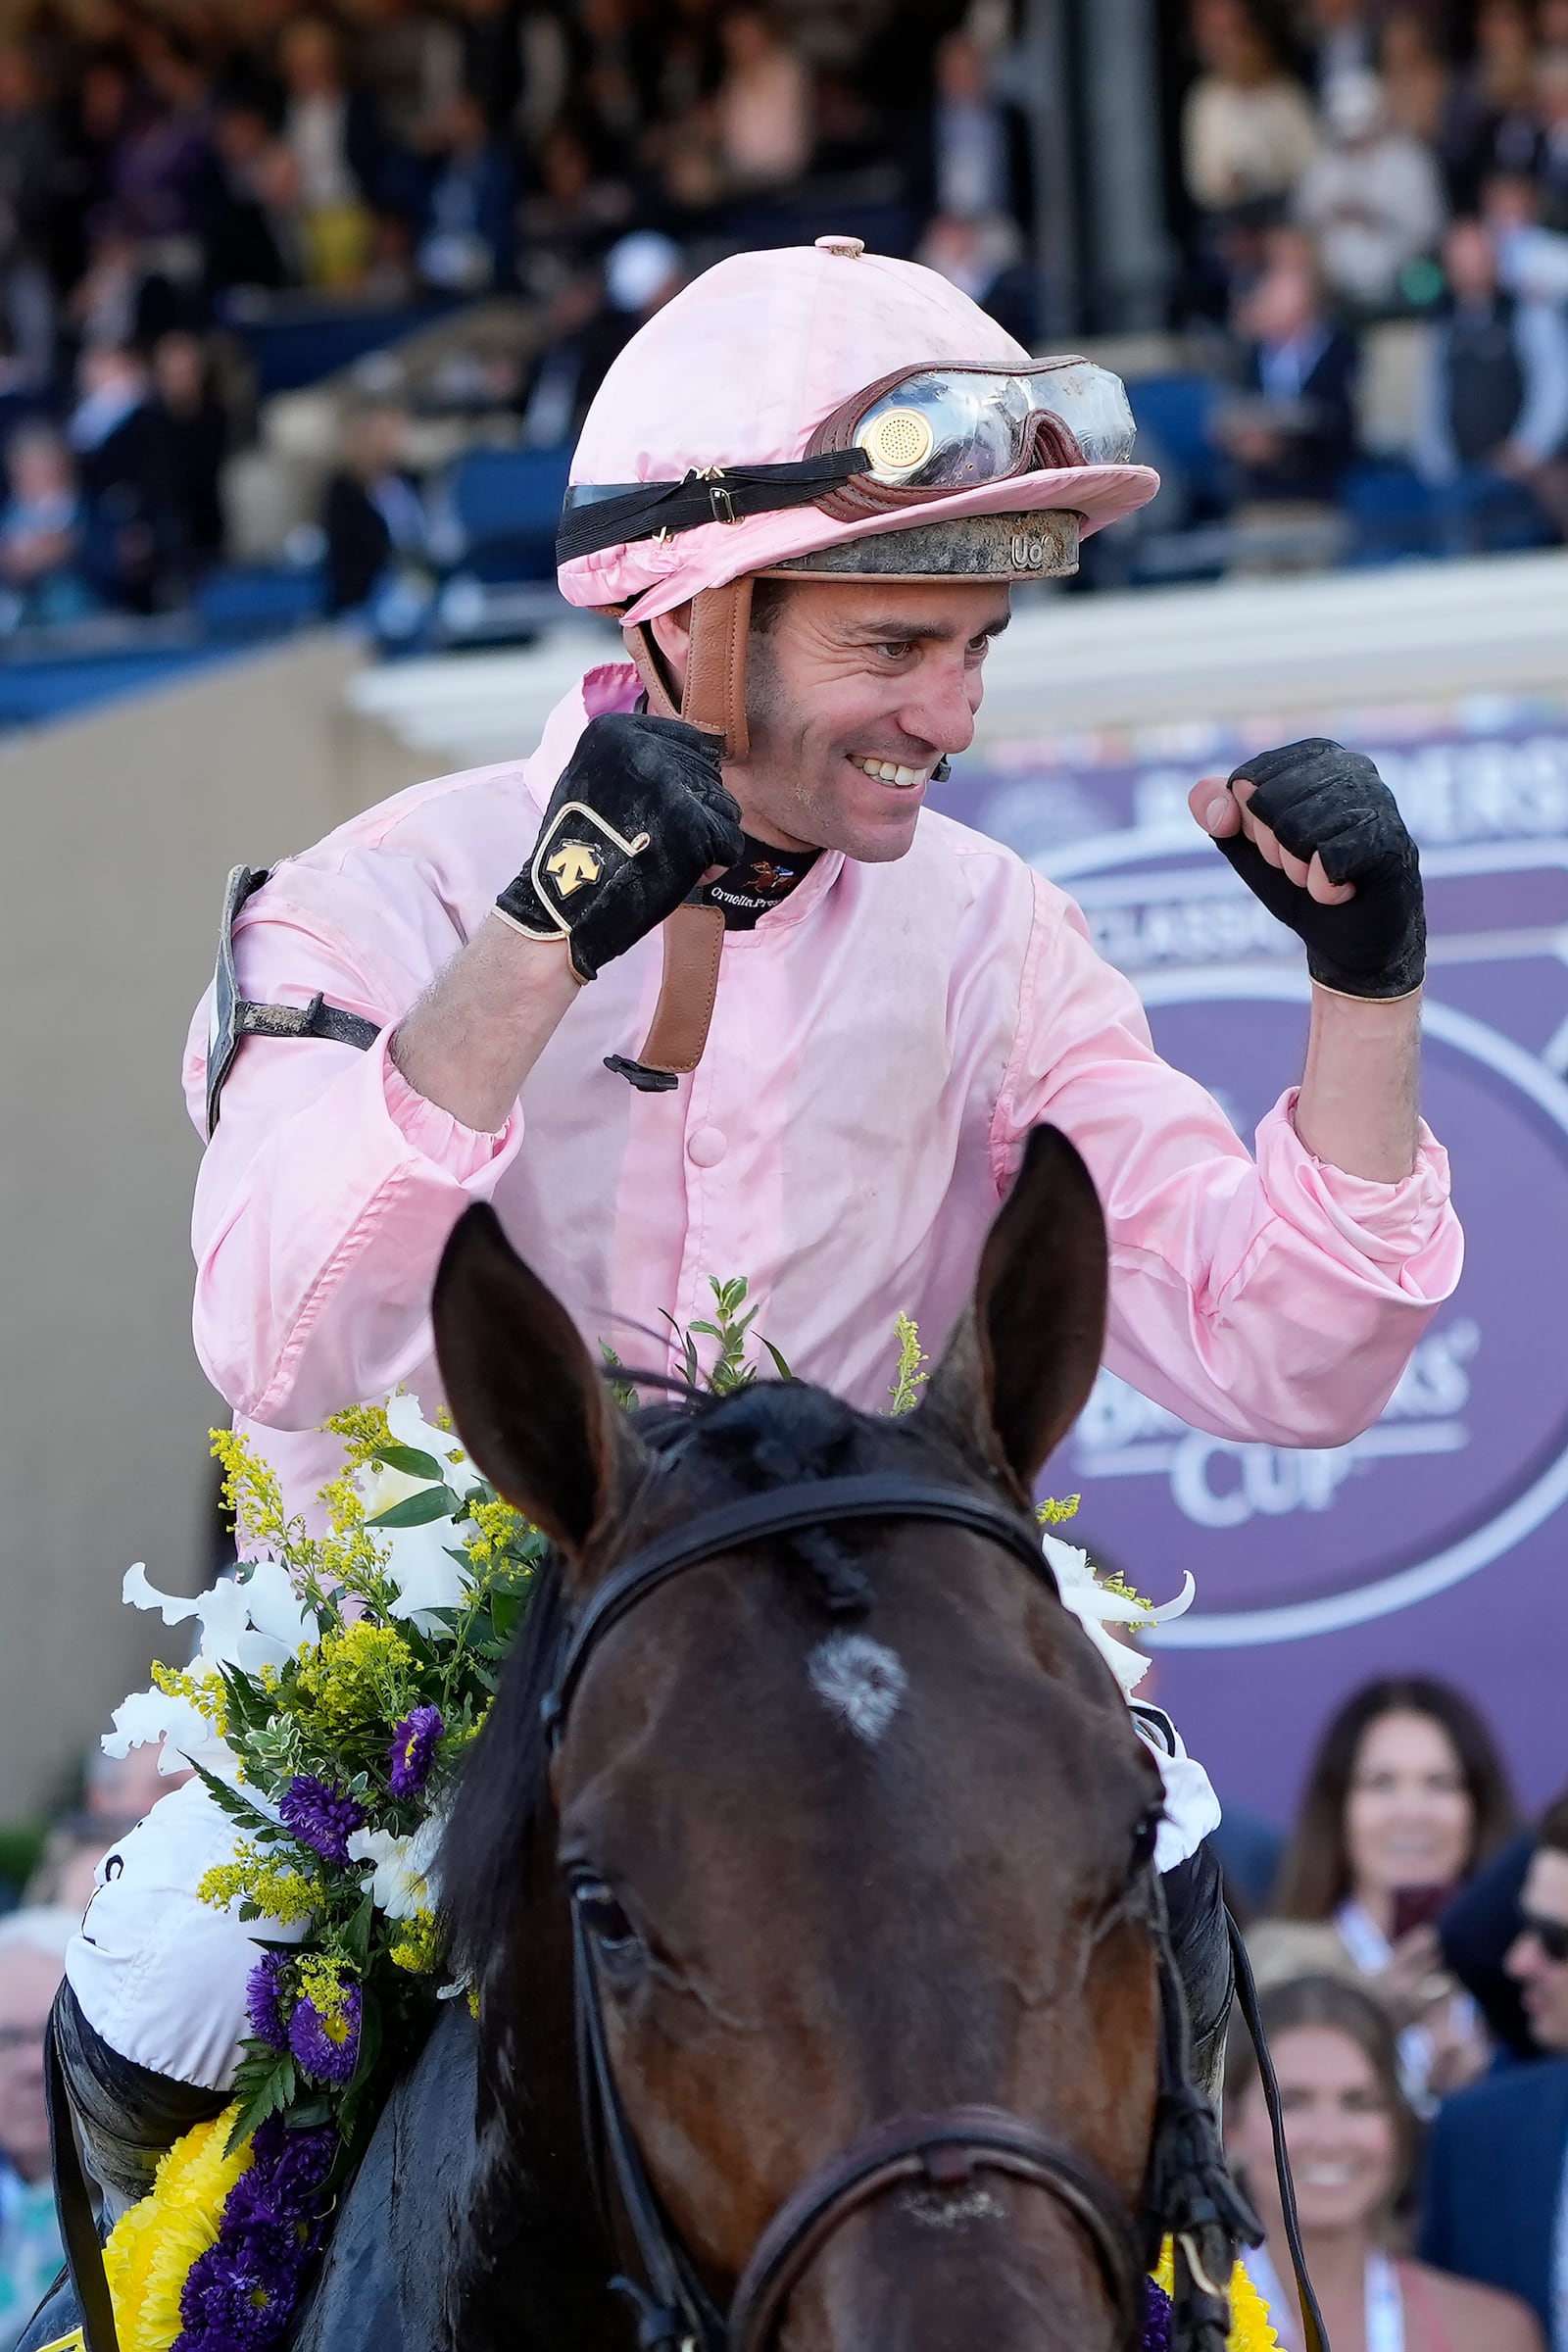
(1352, 2139)
(1405, 1796)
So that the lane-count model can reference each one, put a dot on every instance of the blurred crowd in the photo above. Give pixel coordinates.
(171, 170)
(1410, 1938)
(1351, 164)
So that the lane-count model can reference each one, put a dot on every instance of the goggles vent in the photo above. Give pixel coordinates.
(898, 441)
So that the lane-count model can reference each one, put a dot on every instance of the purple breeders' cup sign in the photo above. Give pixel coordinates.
(1435, 1541)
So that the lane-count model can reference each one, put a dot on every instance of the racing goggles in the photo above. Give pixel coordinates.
(919, 433)
(943, 429)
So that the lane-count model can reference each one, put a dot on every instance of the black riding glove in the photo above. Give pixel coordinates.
(636, 821)
(1318, 796)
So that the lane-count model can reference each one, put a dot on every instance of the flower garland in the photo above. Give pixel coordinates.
(336, 1685)
(1251, 2330)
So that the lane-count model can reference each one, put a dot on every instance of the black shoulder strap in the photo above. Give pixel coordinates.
(234, 1016)
(79, 2230)
(1312, 2331)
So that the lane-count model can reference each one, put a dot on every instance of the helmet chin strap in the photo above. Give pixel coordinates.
(714, 699)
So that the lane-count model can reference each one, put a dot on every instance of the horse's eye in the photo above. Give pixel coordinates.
(615, 1939)
(1144, 1837)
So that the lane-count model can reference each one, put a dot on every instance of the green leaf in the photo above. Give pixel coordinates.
(779, 1365)
(411, 1463)
(270, 2097)
(309, 2112)
(417, 1510)
(357, 1935)
(230, 1800)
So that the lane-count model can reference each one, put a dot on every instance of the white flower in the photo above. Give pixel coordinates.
(247, 1626)
(250, 1624)
(148, 1716)
(402, 1881)
(418, 1559)
(1097, 1609)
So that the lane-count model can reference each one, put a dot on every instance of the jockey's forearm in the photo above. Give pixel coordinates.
(1359, 1104)
(471, 1039)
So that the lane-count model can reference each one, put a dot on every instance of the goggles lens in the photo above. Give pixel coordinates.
(951, 429)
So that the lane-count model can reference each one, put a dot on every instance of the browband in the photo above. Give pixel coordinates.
(598, 515)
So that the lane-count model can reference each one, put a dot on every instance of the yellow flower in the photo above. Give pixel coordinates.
(274, 1885)
(418, 1945)
(359, 1677)
(1251, 2330)
(152, 2247)
(204, 1690)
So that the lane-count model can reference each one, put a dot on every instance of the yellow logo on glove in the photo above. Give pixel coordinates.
(572, 864)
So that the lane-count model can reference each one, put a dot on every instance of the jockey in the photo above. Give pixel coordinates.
(699, 989)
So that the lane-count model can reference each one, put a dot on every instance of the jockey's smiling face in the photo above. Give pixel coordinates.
(846, 678)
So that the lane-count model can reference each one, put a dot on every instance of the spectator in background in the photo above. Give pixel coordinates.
(125, 463)
(1406, 1791)
(1490, 124)
(467, 243)
(1495, 2190)
(407, 61)
(641, 271)
(762, 109)
(1372, 200)
(1247, 133)
(252, 239)
(1340, 38)
(196, 428)
(67, 1870)
(987, 259)
(1416, 79)
(1532, 260)
(1293, 439)
(1352, 2139)
(977, 164)
(40, 533)
(30, 183)
(330, 133)
(372, 513)
(32, 1961)
(1551, 162)
(1494, 402)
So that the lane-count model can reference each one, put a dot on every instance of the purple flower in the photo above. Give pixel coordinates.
(1157, 2317)
(321, 1816)
(235, 2300)
(294, 2163)
(414, 1746)
(328, 2044)
(263, 2000)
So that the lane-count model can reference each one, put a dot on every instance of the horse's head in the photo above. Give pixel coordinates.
(854, 1818)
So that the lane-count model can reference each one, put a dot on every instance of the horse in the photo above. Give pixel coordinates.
(802, 1872)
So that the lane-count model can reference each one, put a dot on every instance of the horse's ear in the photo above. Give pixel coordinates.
(528, 1401)
(1022, 1358)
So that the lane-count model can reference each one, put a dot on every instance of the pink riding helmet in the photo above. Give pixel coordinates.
(825, 410)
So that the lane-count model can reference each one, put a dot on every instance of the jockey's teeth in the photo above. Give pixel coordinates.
(888, 771)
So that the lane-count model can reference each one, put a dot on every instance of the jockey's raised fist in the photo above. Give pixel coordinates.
(639, 816)
(1315, 833)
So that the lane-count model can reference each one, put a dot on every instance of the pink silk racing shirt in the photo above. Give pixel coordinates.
(882, 1043)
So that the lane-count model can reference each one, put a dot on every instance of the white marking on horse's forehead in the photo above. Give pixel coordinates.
(861, 1680)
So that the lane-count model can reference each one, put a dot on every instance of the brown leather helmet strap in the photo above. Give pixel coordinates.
(694, 940)
(714, 696)
(714, 700)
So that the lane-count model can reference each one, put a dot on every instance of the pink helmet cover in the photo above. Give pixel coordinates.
(743, 365)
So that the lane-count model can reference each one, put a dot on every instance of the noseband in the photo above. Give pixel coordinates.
(941, 2153)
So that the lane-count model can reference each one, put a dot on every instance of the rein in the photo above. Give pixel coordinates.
(1187, 2192)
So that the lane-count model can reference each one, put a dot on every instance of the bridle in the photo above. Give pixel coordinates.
(1187, 2192)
